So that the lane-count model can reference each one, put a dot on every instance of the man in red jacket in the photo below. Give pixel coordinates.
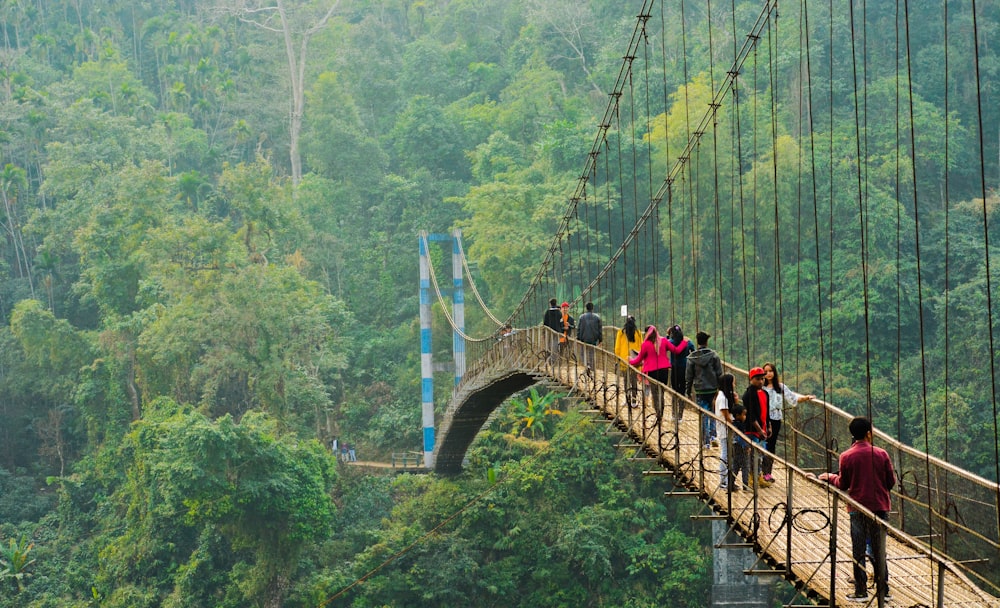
(866, 475)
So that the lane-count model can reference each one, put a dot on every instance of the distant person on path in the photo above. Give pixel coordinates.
(725, 402)
(350, 452)
(335, 445)
(704, 368)
(590, 331)
(778, 395)
(655, 360)
(758, 422)
(628, 341)
(553, 320)
(343, 452)
(866, 474)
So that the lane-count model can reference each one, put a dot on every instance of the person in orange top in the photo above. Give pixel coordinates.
(568, 325)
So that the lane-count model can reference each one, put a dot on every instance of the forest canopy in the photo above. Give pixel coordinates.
(209, 271)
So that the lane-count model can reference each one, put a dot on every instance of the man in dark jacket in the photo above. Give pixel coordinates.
(553, 320)
(704, 368)
(589, 330)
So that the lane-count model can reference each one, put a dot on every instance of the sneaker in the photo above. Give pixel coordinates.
(769, 478)
(724, 487)
(715, 443)
(854, 597)
(764, 483)
(887, 595)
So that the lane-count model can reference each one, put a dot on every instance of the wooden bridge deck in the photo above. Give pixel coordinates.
(801, 553)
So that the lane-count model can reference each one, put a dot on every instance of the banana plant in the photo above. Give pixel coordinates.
(531, 414)
(14, 562)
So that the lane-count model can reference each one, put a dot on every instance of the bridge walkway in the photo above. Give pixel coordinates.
(798, 527)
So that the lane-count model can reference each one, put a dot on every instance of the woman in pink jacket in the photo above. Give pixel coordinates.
(654, 356)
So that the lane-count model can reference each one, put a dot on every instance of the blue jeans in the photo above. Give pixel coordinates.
(865, 531)
(707, 422)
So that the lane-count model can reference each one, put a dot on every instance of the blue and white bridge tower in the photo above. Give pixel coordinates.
(427, 367)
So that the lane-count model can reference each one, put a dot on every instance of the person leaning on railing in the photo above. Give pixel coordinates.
(866, 474)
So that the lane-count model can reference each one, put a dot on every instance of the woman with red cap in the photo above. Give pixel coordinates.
(758, 421)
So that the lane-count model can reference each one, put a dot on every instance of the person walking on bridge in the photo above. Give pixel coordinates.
(655, 359)
(553, 320)
(681, 348)
(678, 358)
(566, 326)
(628, 341)
(866, 474)
(704, 368)
(590, 331)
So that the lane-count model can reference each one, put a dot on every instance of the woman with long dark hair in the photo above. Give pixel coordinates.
(778, 395)
(725, 401)
(628, 341)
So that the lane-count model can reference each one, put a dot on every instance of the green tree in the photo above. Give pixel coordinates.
(204, 495)
(15, 565)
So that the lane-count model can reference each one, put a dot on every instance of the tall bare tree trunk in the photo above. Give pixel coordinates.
(296, 65)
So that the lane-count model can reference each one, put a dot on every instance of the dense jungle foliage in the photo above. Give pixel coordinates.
(209, 270)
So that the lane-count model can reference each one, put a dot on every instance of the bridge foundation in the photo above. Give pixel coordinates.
(730, 586)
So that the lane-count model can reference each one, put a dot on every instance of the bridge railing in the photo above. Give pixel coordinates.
(945, 510)
(951, 510)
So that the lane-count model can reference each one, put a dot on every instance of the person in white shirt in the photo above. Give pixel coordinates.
(778, 395)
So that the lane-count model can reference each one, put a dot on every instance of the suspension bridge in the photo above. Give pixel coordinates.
(756, 197)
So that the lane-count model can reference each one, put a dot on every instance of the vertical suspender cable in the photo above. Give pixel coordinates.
(920, 298)
(648, 127)
(666, 144)
(772, 37)
(947, 242)
(861, 215)
(692, 235)
(621, 193)
(815, 199)
(986, 248)
(720, 320)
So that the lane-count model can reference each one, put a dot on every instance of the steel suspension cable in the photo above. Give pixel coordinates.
(441, 300)
(666, 146)
(920, 297)
(986, 248)
(772, 38)
(720, 308)
(472, 285)
(654, 229)
(862, 216)
(899, 254)
(947, 242)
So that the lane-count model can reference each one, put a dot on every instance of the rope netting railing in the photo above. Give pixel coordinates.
(813, 195)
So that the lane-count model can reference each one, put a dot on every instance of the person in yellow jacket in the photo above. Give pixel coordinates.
(628, 342)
